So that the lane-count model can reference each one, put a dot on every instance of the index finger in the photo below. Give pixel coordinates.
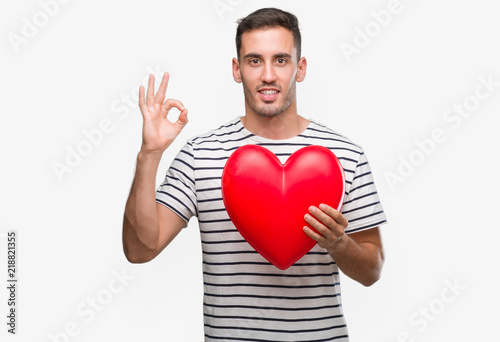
(160, 95)
(333, 213)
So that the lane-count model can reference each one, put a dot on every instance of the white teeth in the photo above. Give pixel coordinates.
(269, 92)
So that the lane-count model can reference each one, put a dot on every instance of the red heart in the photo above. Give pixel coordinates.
(267, 201)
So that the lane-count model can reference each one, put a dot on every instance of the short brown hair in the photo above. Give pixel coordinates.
(268, 18)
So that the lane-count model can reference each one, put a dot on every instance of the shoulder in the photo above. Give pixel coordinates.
(322, 132)
(221, 133)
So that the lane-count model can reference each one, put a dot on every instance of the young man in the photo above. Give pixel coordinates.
(246, 298)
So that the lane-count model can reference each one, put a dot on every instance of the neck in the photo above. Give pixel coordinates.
(282, 126)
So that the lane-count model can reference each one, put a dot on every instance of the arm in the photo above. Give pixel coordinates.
(149, 227)
(359, 255)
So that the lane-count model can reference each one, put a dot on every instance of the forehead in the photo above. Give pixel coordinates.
(268, 41)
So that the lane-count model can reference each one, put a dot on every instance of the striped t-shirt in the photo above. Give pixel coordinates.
(245, 297)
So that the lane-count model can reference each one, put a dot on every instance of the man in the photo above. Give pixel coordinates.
(246, 298)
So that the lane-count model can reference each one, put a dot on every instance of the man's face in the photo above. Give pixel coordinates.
(268, 69)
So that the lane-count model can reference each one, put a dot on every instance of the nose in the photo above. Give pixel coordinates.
(268, 74)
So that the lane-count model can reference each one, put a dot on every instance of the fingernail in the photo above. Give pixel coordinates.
(322, 206)
(312, 209)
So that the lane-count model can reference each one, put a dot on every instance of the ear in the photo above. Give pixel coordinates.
(301, 70)
(236, 71)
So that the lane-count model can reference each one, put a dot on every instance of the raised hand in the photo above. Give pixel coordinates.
(158, 132)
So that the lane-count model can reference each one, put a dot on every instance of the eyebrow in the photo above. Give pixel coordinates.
(256, 55)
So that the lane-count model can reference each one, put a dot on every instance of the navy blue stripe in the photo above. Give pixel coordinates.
(321, 296)
(343, 149)
(366, 216)
(177, 200)
(272, 307)
(371, 225)
(261, 340)
(361, 186)
(215, 148)
(218, 231)
(209, 168)
(280, 331)
(173, 209)
(223, 142)
(209, 189)
(207, 178)
(347, 159)
(230, 252)
(180, 190)
(212, 210)
(359, 208)
(215, 221)
(186, 152)
(211, 158)
(180, 182)
(362, 175)
(360, 197)
(297, 264)
(210, 200)
(327, 132)
(182, 173)
(224, 126)
(331, 274)
(277, 319)
(223, 242)
(362, 164)
(185, 163)
(318, 253)
(280, 286)
(329, 139)
(220, 135)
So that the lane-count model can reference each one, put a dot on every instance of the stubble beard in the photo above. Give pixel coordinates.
(268, 109)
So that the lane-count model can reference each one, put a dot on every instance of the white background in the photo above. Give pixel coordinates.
(84, 64)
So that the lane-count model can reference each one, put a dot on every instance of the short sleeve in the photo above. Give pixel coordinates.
(362, 207)
(178, 191)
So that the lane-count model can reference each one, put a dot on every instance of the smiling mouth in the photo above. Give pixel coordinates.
(268, 95)
(269, 91)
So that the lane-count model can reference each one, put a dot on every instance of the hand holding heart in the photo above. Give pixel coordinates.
(329, 222)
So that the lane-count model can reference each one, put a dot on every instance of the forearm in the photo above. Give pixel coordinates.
(140, 223)
(361, 261)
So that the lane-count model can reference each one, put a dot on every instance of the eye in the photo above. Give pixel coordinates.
(254, 61)
(281, 61)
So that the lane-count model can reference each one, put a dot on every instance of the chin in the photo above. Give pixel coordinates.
(268, 112)
(268, 115)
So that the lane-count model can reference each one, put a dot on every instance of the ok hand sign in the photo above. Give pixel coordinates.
(157, 131)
